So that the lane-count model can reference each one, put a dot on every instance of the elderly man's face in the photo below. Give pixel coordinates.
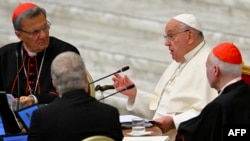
(34, 33)
(176, 39)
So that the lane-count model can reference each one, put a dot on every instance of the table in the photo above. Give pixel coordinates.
(156, 131)
(147, 138)
(155, 136)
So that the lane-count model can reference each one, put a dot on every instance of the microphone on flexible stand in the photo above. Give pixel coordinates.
(18, 85)
(104, 88)
(121, 70)
(124, 89)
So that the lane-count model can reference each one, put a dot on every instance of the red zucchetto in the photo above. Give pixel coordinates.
(21, 8)
(228, 52)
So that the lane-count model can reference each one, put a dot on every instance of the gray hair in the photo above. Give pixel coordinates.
(227, 69)
(31, 13)
(186, 27)
(68, 72)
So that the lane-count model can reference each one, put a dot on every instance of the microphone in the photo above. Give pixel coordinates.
(121, 70)
(18, 85)
(104, 88)
(124, 89)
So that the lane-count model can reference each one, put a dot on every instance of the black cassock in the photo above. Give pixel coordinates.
(230, 109)
(28, 68)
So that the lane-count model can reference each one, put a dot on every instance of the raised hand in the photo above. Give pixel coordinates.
(122, 82)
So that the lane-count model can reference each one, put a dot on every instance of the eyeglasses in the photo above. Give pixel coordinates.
(36, 32)
(172, 36)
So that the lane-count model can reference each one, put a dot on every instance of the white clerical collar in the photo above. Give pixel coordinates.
(193, 52)
(31, 54)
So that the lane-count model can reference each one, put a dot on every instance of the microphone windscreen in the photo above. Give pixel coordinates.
(123, 69)
(130, 86)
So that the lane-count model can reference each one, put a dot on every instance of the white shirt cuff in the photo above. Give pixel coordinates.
(36, 101)
(178, 119)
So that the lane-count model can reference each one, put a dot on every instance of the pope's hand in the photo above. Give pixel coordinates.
(121, 83)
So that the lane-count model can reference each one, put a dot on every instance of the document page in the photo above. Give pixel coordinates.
(127, 118)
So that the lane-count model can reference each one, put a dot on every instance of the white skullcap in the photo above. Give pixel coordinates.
(189, 20)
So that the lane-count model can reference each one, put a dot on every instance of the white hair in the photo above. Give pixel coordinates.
(68, 72)
(227, 69)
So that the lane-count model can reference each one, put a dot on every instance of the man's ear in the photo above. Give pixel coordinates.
(191, 36)
(18, 34)
(216, 70)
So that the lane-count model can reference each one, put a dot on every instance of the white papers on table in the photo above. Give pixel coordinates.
(127, 118)
(10, 98)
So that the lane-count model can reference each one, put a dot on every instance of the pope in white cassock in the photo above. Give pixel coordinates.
(183, 89)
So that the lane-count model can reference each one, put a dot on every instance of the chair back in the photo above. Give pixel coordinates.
(92, 85)
(98, 138)
(246, 73)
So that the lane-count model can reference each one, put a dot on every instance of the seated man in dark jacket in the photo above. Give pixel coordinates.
(25, 65)
(230, 109)
(75, 115)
